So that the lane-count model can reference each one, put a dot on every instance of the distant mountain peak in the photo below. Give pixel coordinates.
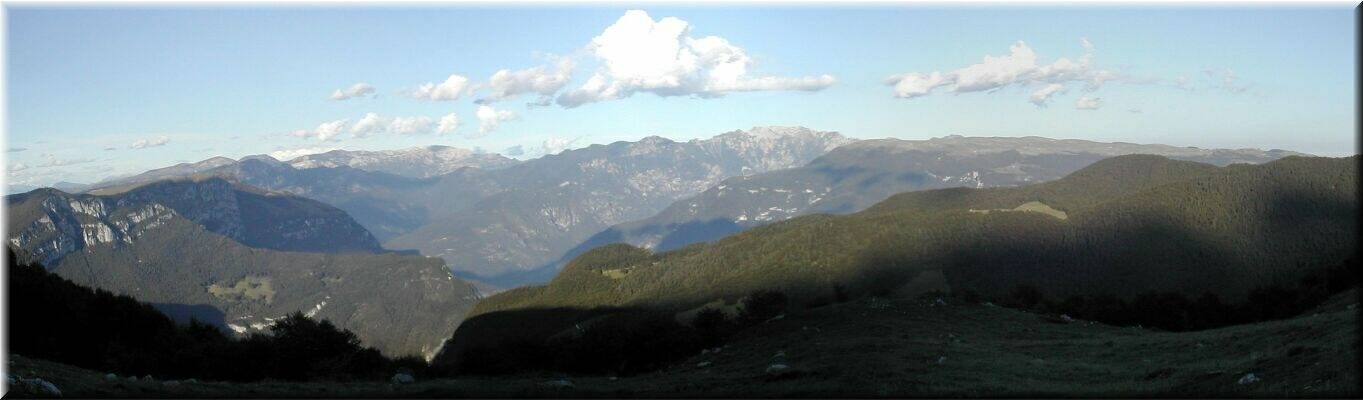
(266, 158)
(778, 132)
(655, 139)
(217, 160)
(416, 162)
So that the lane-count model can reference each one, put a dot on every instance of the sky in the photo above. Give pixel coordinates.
(100, 92)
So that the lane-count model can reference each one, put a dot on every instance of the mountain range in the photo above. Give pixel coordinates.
(502, 221)
(855, 176)
(678, 224)
(240, 257)
(419, 162)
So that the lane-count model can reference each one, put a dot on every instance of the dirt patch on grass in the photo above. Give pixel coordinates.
(253, 288)
(1031, 206)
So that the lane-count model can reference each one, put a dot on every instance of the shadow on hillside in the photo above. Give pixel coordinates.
(695, 232)
(1228, 247)
(601, 340)
(204, 313)
(678, 236)
(1115, 252)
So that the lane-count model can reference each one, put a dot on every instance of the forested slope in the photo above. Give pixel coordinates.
(1130, 224)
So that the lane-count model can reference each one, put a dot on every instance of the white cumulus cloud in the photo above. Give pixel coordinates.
(360, 89)
(639, 54)
(1043, 95)
(448, 124)
(1088, 103)
(371, 123)
(1020, 67)
(507, 84)
(152, 142)
(489, 119)
(451, 89)
(555, 145)
(411, 125)
(324, 131)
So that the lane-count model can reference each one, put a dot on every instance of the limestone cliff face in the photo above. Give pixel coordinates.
(54, 223)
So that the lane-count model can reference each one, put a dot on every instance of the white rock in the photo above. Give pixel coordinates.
(778, 369)
(1066, 318)
(1248, 379)
(702, 364)
(110, 377)
(559, 384)
(42, 387)
(402, 379)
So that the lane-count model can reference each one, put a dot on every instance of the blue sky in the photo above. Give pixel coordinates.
(86, 85)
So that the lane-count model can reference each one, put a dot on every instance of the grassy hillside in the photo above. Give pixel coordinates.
(898, 348)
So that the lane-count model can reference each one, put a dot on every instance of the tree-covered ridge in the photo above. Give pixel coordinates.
(1135, 223)
(54, 319)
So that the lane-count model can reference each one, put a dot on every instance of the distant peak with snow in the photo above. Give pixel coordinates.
(417, 162)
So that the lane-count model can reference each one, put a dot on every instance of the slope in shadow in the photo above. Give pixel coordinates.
(184, 313)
